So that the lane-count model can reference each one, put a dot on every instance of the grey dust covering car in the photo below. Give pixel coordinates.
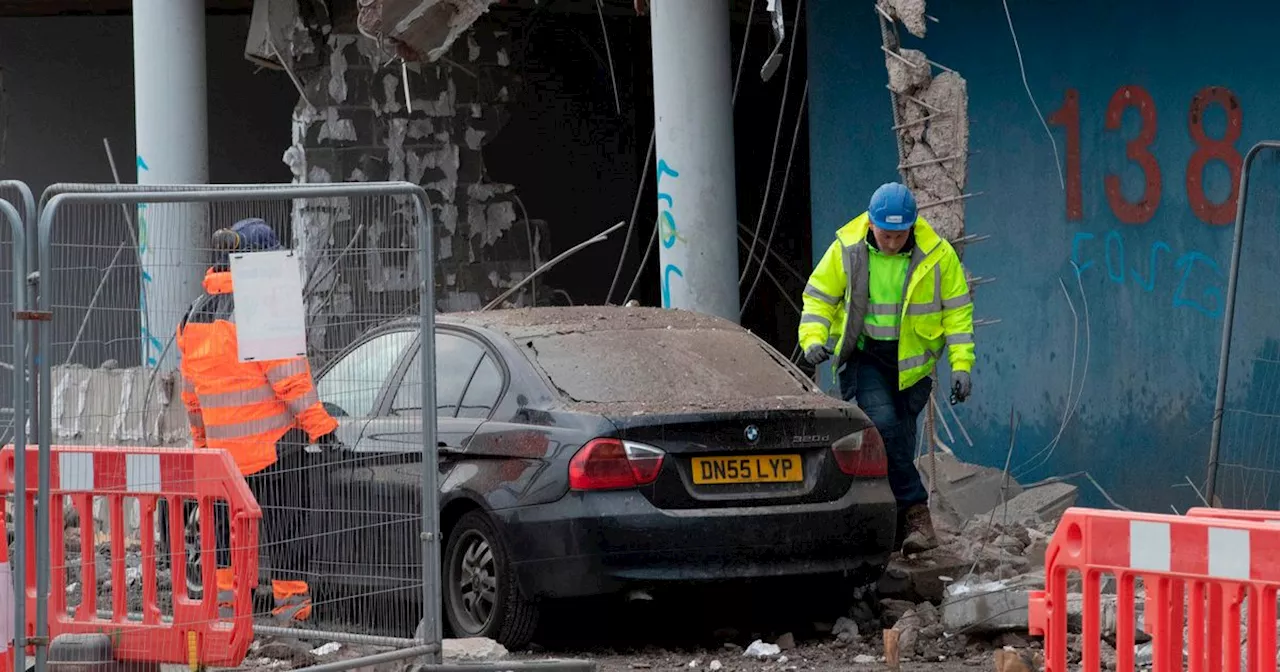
(592, 450)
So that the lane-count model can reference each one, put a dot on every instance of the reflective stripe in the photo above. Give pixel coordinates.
(854, 258)
(923, 309)
(957, 302)
(878, 332)
(278, 373)
(934, 306)
(884, 308)
(919, 360)
(820, 295)
(188, 387)
(238, 430)
(913, 362)
(195, 419)
(252, 395)
(297, 406)
(956, 339)
(808, 318)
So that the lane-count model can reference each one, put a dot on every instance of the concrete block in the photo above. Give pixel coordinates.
(473, 650)
(963, 490)
(920, 578)
(1042, 504)
(994, 606)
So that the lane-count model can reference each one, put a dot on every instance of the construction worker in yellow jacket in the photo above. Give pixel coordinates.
(259, 412)
(885, 299)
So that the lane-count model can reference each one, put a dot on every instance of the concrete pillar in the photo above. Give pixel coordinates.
(171, 116)
(693, 117)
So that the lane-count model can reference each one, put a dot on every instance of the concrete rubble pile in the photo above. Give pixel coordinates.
(968, 597)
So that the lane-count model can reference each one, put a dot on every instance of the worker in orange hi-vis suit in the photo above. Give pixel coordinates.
(254, 410)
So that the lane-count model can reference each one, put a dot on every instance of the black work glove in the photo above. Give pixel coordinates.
(329, 441)
(817, 354)
(961, 386)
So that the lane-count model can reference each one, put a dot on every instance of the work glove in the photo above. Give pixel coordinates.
(961, 386)
(817, 354)
(329, 442)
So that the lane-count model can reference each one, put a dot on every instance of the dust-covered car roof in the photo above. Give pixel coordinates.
(624, 360)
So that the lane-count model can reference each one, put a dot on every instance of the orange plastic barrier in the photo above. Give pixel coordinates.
(1260, 516)
(193, 632)
(1209, 563)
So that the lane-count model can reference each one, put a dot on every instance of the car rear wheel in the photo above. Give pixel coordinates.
(481, 598)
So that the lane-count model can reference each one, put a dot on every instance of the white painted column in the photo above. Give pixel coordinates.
(171, 117)
(693, 117)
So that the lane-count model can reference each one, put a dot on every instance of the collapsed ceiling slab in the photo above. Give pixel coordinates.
(418, 30)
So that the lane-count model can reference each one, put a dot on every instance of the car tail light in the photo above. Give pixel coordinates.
(611, 464)
(862, 454)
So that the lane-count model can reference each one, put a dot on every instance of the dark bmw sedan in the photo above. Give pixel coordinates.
(587, 451)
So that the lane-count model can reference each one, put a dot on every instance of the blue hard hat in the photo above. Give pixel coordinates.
(255, 234)
(247, 235)
(893, 207)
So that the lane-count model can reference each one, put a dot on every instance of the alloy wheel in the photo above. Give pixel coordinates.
(475, 582)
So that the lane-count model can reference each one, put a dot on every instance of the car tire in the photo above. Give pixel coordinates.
(481, 597)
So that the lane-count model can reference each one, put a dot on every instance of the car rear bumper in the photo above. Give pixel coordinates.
(601, 542)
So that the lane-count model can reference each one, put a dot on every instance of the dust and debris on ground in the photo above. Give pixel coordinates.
(961, 605)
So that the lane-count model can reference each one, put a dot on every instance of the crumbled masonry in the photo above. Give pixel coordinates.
(932, 115)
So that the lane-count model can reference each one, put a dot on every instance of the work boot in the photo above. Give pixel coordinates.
(920, 534)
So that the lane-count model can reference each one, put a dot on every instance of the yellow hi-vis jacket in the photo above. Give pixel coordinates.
(937, 311)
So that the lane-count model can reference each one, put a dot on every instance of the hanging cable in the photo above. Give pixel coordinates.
(777, 137)
(782, 195)
(635, 213)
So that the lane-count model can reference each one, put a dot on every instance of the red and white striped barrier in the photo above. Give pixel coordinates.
(1207, 563)
(192, 632)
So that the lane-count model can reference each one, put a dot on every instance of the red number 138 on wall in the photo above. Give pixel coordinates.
(1138, 151)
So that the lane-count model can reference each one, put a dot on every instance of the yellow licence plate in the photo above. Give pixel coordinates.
(752, 469)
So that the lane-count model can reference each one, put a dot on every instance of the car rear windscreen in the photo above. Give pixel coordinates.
(664, 367)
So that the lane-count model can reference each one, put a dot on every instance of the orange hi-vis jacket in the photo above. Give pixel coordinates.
(241, 407)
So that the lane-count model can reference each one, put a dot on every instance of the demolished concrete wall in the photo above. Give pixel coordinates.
(355, 124)
(931, 122)
(117, 407)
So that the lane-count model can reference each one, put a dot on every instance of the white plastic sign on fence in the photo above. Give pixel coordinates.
(270, 316)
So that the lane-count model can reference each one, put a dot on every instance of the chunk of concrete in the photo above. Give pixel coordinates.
(920, 577)
(1040, 504)
(991, 607)
(473, 650)
(964, 490)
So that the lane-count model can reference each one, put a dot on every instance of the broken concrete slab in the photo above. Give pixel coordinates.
(1041, 504)
(964, 490)
(472, 650)
(920, 578)
(992, 606)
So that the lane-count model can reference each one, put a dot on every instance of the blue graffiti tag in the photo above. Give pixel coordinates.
(151, 344)
(1150, 283)
(1113, 258)
(1187, 262)
(669, 233)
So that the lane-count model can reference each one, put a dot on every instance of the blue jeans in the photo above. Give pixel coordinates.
(895, 413)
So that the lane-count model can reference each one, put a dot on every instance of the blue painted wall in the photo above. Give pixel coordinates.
(1153, 291)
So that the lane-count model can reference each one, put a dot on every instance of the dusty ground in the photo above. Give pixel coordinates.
(709, 632)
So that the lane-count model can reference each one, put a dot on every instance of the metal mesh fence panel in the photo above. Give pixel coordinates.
(1248, 455)
(13, 193)
(13, 381)
(341, 545)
